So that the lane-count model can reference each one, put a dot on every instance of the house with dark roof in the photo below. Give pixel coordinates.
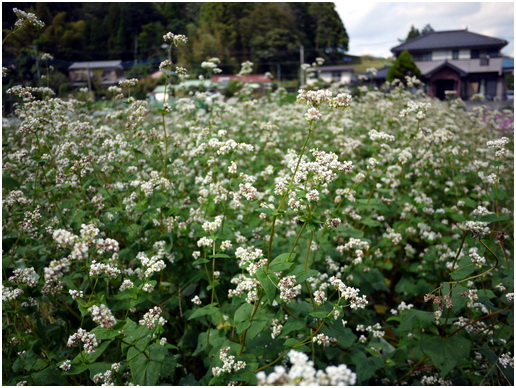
(104, 73)
(460, 60)
(341, 74)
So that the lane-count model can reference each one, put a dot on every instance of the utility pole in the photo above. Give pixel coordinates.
(37, 61)
(88, 75)
(302, 60)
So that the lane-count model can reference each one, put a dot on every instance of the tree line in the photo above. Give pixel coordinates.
(263, 33)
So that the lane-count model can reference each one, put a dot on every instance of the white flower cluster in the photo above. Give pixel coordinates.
(64, 238)
(128, 83)
(153, 264)
(247, 255)
(153, 318)
(478, 228)
(276, 328)
(27, 17)
(246, 68)
(248, 191)
(245, 285)
(102, 315)
(66, 365)
(480, 211)
(16, 196)
(175, 39)
(211, 227)
(312, 114)
(76, 294)
(324, 166)
(324, 340)
(499, 146)
(288, 288)
(229, 363)
(417, 108)
(434, 380)
(197, 300)
(106, 378)
(302, 372)
(204, 242)
(9, 293)
(25, 276)
(349, 293)
(212, 65)
(97, 269)
(476, 259)
(127, 284)
(379, 135)
(393, 236)
(88, 339)
(107, 245)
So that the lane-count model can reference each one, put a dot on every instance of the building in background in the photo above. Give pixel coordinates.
(460, 61)
(101, 73)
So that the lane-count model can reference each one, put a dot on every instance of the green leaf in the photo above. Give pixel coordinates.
(206, 310)
(268, 282)
(366, 367)
(105, 334)
(280, 263)
(370, 222)
(270, 212)
(8, 182)
(493, 218)
(91, 357)
(319, 314)
(464, 269)
(200, 261)
(447, 353)
(220, 256)
(49, 376)
(146, 367)
(244, 312)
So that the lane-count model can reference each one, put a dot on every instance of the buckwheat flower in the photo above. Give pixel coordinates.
(148, 287)
(229, 363)
(165, 65)
(163, 341)
(276, 328)
(323, 339)
(341, 100)
(25, 276)
(27, 18)
(89, 340)
(208, 65)
(153, 318)
(102, 315)
(492, 179)
(128, 83)
(288, 288)
(478, 228)
(66, 365)
(204, 242)
(197, 300)
(248, 191)
(320, 297)
(312, 115)
(225, 245)
(76, 294)
(127, 284)
(9, 293)
(64, 238)
(211, 227)
(312, 195)
(232, 169)
(506, 360)
(510, 297)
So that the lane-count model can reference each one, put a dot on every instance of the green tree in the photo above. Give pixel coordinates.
(413, 33)
(403, 66)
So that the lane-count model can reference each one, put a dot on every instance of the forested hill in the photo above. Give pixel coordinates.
(264, 33)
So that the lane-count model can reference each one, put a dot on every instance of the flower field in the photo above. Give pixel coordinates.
(337, 240)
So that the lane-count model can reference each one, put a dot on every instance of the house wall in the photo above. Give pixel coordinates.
(441, 55)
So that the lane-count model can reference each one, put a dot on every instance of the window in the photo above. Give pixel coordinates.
(475, 54)
(484, 60)
(455, 54)
(335, 76)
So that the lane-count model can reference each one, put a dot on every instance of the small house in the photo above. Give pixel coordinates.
(460, 61)
(103, 73)
(341, 74)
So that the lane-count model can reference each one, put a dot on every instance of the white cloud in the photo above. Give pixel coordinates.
(375, 27)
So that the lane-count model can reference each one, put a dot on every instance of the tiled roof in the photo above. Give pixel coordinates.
(450, 40)
(96, 65)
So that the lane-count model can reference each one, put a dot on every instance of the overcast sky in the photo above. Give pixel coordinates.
(375, 27)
